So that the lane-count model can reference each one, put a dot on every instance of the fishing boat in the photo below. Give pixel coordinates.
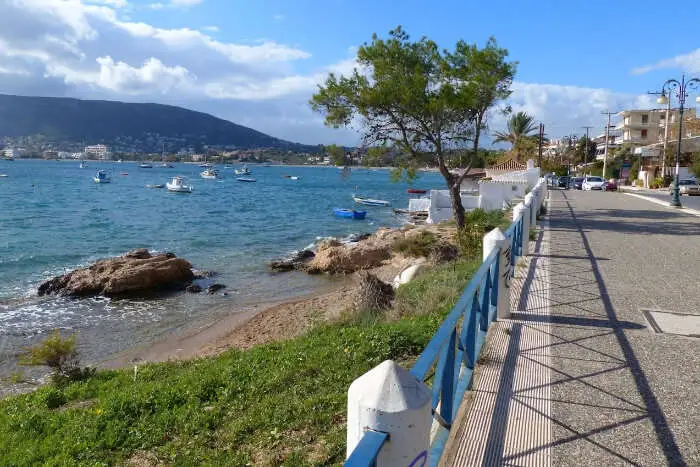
(246, 179)
(293, 177)
(209, 174)
(123, 173)
(177, 185)
(3, 175)
(370, 201)
(101, 177)
(164, 164)
(244, 171)
(349, 213)
(83, 164)
(160, 185)
(145, 165)
(416, 191)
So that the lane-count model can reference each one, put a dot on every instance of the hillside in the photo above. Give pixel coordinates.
(125, 125)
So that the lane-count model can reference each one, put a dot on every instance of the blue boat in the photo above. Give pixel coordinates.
(349, 213)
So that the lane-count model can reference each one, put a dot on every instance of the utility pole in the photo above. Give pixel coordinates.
(585, 156)
(666, 123)
(607, 138)
(539, 157)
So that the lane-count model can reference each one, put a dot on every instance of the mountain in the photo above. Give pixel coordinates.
(125, 125)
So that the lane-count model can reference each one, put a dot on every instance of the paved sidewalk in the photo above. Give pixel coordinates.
(611, 391)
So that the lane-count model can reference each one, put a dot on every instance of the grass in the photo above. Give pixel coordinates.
(275, 404)
(416, 246)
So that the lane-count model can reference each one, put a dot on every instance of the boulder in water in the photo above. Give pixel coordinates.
(342, 259)
(212, 289)
(134, 273)
(297, 261)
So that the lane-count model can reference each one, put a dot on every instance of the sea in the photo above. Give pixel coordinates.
(54, 218)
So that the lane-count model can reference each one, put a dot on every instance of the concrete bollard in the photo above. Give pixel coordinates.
(519, 209)
(496, 240)
(389, 399)
(530, 202)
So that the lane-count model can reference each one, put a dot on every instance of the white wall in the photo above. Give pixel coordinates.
(441, 205)
(495, 193)
(419, 204)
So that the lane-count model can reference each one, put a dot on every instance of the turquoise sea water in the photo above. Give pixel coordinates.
(54, 218)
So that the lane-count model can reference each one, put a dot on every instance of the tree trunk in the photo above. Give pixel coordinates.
(454, 184)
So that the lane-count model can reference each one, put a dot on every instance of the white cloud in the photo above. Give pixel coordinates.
(185, 3)
(211, 28)
(689, 62)
(153, 77)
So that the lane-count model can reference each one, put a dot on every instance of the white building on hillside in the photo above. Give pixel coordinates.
(99, 151)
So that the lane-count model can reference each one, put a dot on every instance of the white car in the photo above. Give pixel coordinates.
(593, 183)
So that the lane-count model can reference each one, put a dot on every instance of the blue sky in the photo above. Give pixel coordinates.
(257, 62)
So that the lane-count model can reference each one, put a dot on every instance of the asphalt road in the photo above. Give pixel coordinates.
(687, 201)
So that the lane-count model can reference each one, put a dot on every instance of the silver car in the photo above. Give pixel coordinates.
(687, 187)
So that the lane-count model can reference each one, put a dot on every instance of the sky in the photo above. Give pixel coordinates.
(257, 62)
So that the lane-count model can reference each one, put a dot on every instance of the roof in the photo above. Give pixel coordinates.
(473, 173)
(508, 166)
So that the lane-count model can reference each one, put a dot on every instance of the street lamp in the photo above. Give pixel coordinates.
(681, 91)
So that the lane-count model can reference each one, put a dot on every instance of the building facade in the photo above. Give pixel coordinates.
(98, 151)
(645, 127)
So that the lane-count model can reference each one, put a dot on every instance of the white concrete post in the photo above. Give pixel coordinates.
(496, 240)
(389, 399)
(520, 208)
(530, 202)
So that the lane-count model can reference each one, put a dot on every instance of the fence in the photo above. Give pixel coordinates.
(447, 362)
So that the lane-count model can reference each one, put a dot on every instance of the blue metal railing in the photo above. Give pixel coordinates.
(453, 351)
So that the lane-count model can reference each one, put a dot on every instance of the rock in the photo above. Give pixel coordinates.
(193, 288)
(201, 274)
(136, 272)
(341, 259)
(354, 238)
(212, 289)
(373, 294)
(297, 261)
(328, 243)
(443, 252)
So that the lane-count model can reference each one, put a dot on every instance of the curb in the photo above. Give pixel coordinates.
(692, 212)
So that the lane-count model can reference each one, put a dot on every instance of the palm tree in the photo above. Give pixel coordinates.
(520, 129)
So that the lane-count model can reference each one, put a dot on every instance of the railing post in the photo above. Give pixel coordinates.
(531, 203)
(496, 240)
(389, 399)
(518, 210)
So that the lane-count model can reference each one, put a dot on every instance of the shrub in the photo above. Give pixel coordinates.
(477, 223)
(57, 353)
(416, 246)
(667, 180)
(54, 398)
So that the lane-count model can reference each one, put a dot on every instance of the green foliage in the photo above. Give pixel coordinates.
(520, 129)
(54, 398)
(580, 151)
(549, 166)
(695, 168)
(337, 154)
(416, 246)
(477, 223)
(418, 98)
(57, 353)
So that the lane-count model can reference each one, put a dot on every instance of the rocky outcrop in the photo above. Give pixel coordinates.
(297, 261)
(134, 273)
(373, 294)
(343, 259)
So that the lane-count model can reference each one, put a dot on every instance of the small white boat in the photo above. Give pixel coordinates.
(293, 178)
(209, 174)
(3, 175)
(177, 185)
(370, 201)
(145, 165)
(205, 165)
(160, 185)
(246, 179)
(165, 165)
(101, 177)
(244, 171)
(83, 164)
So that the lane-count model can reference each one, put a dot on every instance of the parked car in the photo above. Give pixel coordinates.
(688, 187)
(563, 182)
(592, 183)
(577, 183)
(610, 185)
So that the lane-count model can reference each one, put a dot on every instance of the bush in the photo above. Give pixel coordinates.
(657, 183)
(54, 398)
(57, 353)
(477, 223)
(667, 180)
(416, 246)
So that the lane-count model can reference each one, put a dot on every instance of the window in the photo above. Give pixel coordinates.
(627, 120)
(644, 134)
(645, 118)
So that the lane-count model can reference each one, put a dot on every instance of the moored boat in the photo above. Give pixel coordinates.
(246, 179)
(177, 185)
(145, 165)
(370, 201)
(159, 185)
(209, 174)
(101, 177)
(416, 191)
(349, 213)
(244, 171)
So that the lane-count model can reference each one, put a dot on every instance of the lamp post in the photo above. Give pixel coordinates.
(681, 91)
